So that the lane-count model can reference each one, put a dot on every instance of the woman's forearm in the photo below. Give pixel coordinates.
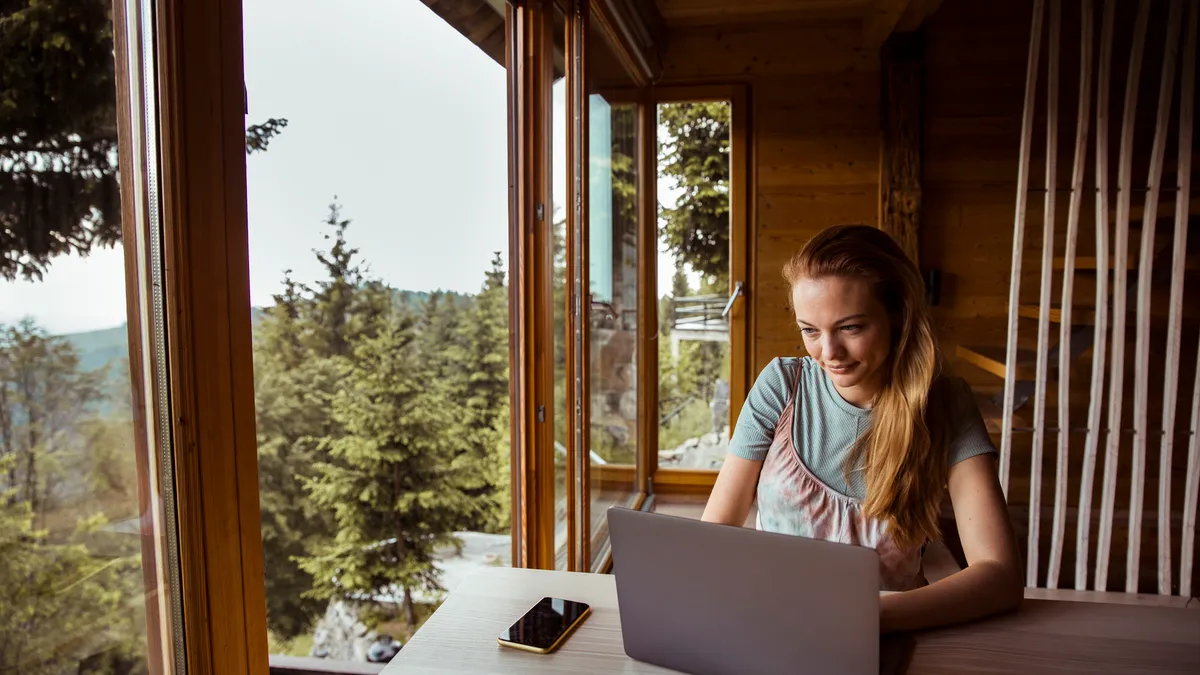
(982, 589)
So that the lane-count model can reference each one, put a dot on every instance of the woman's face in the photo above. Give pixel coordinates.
(846, 330)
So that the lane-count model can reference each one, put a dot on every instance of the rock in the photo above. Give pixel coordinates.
(341, 636)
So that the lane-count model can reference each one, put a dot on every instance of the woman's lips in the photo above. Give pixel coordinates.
(841, 369)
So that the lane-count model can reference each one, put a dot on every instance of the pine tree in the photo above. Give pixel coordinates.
(390, 483)
(292, 391)
(302, 344)
(485, 409)
(695, 153)
(63, 471)
(60, 603)
(334, 295)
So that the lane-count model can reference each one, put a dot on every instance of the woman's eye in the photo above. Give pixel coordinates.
(808, 331)
(853, 328)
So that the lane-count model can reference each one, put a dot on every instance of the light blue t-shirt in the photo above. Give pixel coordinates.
(826, 426)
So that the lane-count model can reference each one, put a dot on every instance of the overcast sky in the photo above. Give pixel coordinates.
(388, 108)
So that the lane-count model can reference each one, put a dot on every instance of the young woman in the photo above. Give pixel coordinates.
(859, 441)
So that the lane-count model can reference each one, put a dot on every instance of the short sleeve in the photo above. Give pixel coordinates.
(764, 405)
(969, 435)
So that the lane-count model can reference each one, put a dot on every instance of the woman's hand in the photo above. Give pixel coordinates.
(733, 494)
(992, 581)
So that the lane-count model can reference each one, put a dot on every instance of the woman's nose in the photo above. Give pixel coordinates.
(831, 347)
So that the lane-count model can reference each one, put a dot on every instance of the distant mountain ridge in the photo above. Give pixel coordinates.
(100, 348)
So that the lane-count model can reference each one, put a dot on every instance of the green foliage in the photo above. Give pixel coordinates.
(42, 393)
(390, 482)
(316, 351)
(695, 154)
(300, 344)
(59, 603)
(259, 136)
(483, 397)
(58, 133)
(70, 597)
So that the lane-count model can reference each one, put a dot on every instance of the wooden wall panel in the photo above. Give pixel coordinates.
(815, 126)
(815, 156)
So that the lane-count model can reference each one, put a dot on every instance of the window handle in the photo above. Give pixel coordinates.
(738, 289)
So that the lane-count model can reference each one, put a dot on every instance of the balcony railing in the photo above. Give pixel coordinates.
(305, 665)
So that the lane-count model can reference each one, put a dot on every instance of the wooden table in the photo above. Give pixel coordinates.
(1043, 637)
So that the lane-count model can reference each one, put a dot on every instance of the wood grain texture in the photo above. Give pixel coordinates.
(1043, 330)
(476, 20)
(1183, 179)
(203, 191)
(1043, 636)
(1141, 359)
(1116, 392)
(648, 294)
(1018, 240)
(1192, 481)
(1083, 117)
(915, 14)
(531, 291)
(724, 12)
(578, 345)
(1100, 334)
(880, 20)
(634, 29)
(900, 154)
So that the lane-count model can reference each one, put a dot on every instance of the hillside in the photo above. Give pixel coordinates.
(100, 348)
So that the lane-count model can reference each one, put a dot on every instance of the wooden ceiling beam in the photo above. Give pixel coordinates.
(915, 15)
(885, 17)
(477, 20)
(881, 19)
(635, 31)
(728, 12)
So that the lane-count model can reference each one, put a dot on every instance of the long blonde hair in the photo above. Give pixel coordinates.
(905, 446)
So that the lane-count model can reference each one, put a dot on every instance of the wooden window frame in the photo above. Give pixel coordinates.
(151, 441)
(578, 295)
(530, 45)
(741, 238)
(202, 189)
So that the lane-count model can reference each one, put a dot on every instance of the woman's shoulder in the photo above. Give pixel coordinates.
(784, 371)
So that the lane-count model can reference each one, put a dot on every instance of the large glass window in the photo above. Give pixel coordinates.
(695, 295)
(83, 554)
(378, 233)
(613, 218)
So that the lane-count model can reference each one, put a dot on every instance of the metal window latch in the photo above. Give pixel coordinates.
(540, 212)
(738, 289)
(541, 414)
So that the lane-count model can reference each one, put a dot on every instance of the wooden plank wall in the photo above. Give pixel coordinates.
(815, 159)
(815, 97)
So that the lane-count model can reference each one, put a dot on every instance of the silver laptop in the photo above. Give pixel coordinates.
(719, 600)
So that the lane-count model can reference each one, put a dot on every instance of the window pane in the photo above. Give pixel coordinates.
(613, 235)
(378, 241)
(82, 543)
(693, 281)
(558, 94)
(613, 217)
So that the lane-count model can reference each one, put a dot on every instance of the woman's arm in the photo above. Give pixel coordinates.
(731, 497)
(992, 581)
(734, 491)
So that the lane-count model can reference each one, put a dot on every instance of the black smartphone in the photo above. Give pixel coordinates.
(545, 625)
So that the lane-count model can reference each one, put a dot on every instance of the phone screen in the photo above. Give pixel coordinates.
(545, 623)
